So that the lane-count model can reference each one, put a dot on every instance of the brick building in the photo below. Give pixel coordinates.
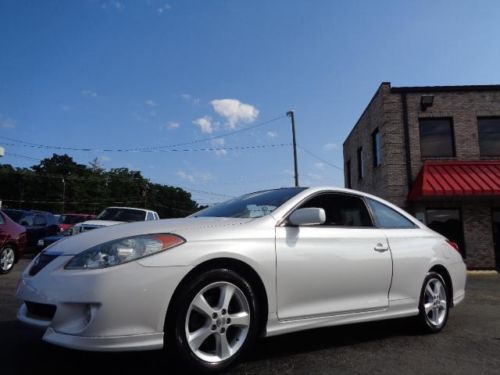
(435, 151)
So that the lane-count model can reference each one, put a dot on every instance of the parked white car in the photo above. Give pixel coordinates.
(267, 263)
(116, 215)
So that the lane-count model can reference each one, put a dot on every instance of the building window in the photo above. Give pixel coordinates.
(377, 151)
(436, 138)
(489, 136)
(361, 171)
(448, 222)
(348, 174)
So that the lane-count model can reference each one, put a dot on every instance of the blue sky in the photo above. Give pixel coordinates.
(134, 74)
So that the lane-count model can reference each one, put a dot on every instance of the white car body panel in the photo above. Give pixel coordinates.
(337, 278)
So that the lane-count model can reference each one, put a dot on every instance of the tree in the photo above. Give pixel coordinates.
(59, 184)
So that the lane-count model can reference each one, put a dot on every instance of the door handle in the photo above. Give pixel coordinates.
(380, 247)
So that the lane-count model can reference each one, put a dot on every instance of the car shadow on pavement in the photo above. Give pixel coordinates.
(27, 353)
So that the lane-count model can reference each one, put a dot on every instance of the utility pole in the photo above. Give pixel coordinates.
(291, 114)
(63, 195)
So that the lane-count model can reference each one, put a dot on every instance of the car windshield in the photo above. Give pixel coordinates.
(122, 214)
(71, 219)
(251, 205)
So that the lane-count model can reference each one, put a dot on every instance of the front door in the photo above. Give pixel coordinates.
(343, 266)
(496, 235)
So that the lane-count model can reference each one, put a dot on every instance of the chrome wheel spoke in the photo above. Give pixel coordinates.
(201, 305)
(222, 347)
(197, 338)
(226, 294)
(428, 307)
(429, 290)
(241, 319)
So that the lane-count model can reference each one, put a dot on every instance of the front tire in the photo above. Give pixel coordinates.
(214, 321)
(7, 259)
(434, 304)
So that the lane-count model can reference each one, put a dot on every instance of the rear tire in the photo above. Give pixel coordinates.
(214, 322)
(434, 305)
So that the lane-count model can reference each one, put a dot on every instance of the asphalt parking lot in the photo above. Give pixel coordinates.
(469, 344)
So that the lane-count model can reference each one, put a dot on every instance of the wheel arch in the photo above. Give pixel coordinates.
(233, 264)
(440, 269)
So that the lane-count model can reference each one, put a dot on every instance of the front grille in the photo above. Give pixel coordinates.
(40, 262)
(40, 310)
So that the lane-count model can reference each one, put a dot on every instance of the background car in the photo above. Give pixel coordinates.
(46, 241)
(67, 221)
(116, 215)
(12, 242)
(38, 224)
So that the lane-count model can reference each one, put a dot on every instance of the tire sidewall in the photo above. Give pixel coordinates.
(175, 328)
(425, 323)
(3, 272)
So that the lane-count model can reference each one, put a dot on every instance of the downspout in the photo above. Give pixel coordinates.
(406, 127)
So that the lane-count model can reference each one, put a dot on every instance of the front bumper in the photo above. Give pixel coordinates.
(114, 309)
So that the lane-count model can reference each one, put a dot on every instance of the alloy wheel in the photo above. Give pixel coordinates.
(7, 258)
(217, 322)
(435, 302)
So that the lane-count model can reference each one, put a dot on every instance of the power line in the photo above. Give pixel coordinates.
(320, 159)
(146, 149)
(230, 148)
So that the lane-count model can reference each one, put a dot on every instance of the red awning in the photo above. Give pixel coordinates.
(457, 178)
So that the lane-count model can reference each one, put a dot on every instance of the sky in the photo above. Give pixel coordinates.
(214, 79)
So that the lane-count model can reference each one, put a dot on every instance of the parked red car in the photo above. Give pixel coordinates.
(66, 221)
(12, 243)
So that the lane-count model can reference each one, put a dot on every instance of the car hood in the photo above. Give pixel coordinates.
(188, 228)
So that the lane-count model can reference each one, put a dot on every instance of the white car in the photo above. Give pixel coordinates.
(267, 263)
(115, 215)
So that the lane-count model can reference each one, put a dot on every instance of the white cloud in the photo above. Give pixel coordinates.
(112, 4)
(150, 103)
(171, 125)
(330, 146)
(6, 123)
(185, 176)
(319, 165)
(218, 143)
(163, 8)
(205, 124)
(191, 98)
(195, 176)
(272, 134)
(89, 93)
(105, 159)
(235, 111)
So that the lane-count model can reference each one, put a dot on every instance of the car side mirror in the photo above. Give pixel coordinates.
(307, 216)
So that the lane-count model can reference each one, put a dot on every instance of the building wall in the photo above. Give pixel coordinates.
(464, 108)
(390, 180)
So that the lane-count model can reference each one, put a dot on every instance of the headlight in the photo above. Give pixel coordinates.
(41, 243)
(124, 250)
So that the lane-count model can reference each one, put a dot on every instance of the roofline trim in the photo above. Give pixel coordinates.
(458, 88)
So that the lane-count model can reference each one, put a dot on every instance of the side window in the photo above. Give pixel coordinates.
(386, 217)
(150, 216)
(27, 220)
(39, 221)
(342, 210)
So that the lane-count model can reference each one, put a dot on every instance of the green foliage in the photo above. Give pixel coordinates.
(87, 189)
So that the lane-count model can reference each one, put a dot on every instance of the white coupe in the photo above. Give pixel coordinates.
(267, 263)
